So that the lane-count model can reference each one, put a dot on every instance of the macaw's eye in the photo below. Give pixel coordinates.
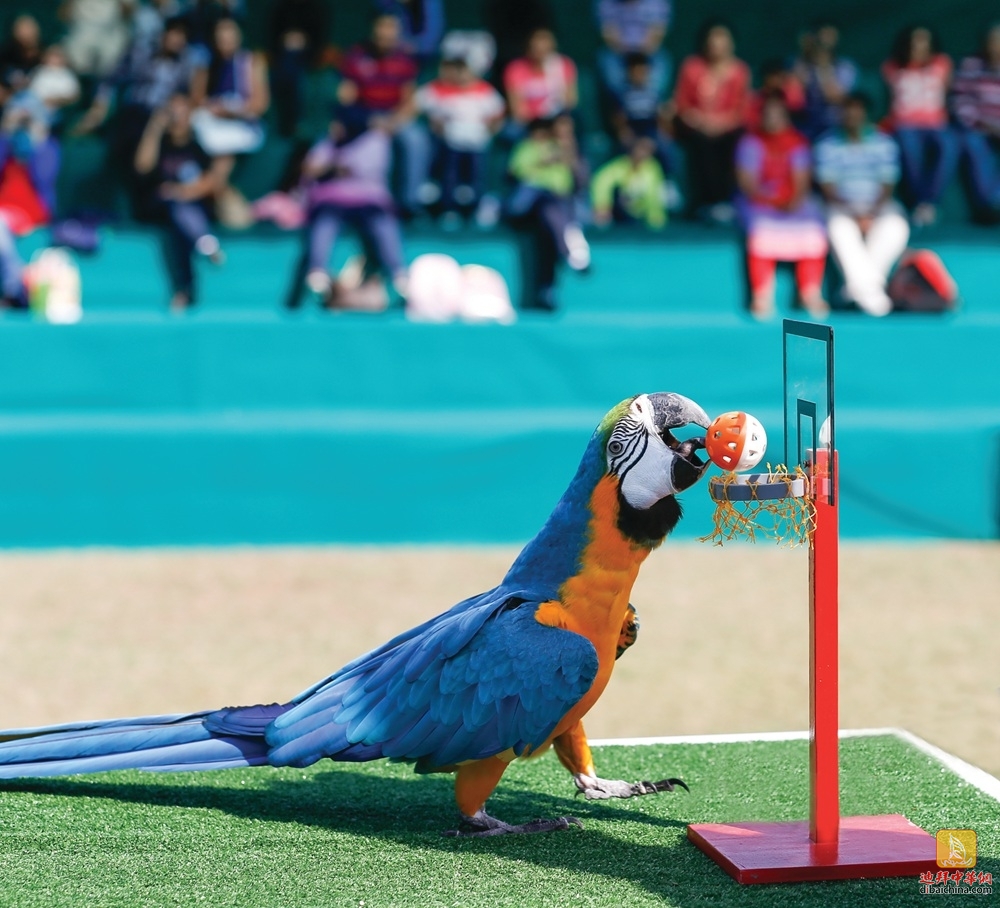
(616, 447)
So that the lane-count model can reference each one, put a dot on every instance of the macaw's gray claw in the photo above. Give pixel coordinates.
(603, 789)
(482, 824)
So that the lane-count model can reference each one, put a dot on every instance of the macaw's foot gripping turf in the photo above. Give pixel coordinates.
(341, 835)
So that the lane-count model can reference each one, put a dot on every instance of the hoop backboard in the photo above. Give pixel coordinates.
(810, 438)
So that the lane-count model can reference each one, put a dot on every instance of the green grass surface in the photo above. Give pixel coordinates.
(370, 834)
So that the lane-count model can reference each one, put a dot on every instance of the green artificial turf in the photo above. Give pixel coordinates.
(369, 835)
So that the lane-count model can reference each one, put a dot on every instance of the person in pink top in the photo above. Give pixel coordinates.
(541, 84)
(918, 76)
(712, 100)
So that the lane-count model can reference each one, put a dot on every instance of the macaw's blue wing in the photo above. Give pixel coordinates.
(483, 678)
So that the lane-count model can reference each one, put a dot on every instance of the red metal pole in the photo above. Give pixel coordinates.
(824, 808)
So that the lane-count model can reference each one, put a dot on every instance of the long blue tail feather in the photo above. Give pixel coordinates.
(219, 739)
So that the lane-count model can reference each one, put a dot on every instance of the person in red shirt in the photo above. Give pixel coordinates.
(540, 84)
(781, 220)
(382, 76)
(918, 76)
(712, 100)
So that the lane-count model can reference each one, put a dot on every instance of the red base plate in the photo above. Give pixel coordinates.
(888, 845)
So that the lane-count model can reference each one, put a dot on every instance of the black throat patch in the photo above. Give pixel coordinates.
(648, 527)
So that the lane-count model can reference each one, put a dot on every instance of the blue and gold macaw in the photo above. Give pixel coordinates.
(502, 675)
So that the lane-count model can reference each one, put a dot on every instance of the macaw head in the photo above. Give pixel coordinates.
(650, 463)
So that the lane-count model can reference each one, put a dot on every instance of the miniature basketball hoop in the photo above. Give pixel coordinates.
(800, 502)
(775, 505)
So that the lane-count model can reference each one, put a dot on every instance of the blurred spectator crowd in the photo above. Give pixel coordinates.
(479, 127)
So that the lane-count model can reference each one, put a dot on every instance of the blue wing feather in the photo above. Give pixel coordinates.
(480, 679)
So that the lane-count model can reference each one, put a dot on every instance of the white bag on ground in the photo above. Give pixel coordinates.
(485, 297)
(441, 290)
(434, 288)
(53, 282)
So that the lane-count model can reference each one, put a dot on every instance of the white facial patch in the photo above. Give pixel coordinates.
(640, 458)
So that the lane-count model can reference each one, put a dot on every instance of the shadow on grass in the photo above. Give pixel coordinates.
(412, 811)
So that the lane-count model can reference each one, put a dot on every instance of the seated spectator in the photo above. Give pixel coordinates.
(142, 83)
(781, 220)
(231, 94)
(825, 77)
(50, 87)
(382, 76)
(202, 17)
(631, 188)
(548, 172)
(463, 112)
(633, 27)
(148, 21)
(775, 78)
(857, 168)
(298, 34)
(97, 35)
(976, 108)
(29, 155)
(639, 111)
(541, 84)
(183, 180)
(13, 293)
(712, 98)
(346, 177)
(21, 52)
(918, 75)
(421, 25)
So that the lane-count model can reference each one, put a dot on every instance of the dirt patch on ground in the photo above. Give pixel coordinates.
(89, 634)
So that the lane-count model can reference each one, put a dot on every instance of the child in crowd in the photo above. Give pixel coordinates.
(463, 112)
(631, 188)
(548, 172)
(639, 110)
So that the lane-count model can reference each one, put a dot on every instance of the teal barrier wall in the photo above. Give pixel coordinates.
(239, 423)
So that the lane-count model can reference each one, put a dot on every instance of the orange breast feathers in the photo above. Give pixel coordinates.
(593, 602)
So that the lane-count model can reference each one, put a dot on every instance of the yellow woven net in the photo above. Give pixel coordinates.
(788, 521)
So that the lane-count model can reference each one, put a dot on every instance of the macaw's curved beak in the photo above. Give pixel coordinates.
(673, 411)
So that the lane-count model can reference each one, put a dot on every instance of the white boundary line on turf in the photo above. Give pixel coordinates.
(973, 775)
(978, 778)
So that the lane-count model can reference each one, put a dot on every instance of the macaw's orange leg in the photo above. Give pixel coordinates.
(474, 783)
(574, 751)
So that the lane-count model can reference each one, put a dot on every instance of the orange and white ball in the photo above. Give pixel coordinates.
(736, 441)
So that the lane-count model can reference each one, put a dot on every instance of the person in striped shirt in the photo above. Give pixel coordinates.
(918, 76)
(975, 106)
(857, 168)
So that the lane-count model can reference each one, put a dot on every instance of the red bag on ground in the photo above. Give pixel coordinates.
(921, 283)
